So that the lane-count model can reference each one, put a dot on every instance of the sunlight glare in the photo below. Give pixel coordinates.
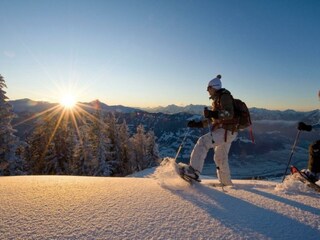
(68, 101)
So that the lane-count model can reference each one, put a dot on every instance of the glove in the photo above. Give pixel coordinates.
(194, 124)
(210, 114)
(304, 127)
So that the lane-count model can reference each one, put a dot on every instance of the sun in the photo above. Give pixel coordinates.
(68, 101)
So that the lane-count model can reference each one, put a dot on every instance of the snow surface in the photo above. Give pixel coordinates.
(155, 204)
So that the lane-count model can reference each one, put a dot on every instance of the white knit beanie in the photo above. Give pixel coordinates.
(215, 83)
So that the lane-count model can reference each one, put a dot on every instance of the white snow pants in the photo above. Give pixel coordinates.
(221, 151)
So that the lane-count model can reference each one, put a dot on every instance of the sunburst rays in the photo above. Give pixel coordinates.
(74, 115)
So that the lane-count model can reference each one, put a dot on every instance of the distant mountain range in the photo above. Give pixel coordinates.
(256, 113)
(28, 105)
(172, 109)
(274, 133)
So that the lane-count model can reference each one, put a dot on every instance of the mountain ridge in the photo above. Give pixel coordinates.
(29, 105)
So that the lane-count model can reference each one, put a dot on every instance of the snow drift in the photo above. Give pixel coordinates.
(160, 206)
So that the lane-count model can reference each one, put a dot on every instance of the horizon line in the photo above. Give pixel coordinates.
(144, 108)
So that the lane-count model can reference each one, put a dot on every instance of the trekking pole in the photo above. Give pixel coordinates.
(293, 147)
(180, 146)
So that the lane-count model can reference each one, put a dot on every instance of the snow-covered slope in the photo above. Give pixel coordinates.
(159, 206)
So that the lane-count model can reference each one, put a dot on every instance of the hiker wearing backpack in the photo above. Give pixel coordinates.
(223, 130)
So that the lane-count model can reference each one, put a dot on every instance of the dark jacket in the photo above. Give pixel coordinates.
(223, 103)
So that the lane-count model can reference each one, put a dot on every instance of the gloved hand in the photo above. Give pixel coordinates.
(210, 114)
(194, 124)
(304, 127)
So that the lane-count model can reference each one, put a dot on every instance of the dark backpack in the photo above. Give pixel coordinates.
(241, 119)
(241, 114)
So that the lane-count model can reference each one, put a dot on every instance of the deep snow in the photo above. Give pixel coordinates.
(158, 205)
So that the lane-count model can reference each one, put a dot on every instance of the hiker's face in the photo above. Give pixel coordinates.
(211, 90)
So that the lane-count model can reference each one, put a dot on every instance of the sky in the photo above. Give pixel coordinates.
(162, 206)
(148, 53)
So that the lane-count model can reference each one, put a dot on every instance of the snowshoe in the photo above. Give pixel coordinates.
(304, 178)
(187, 173)
(181, 170)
